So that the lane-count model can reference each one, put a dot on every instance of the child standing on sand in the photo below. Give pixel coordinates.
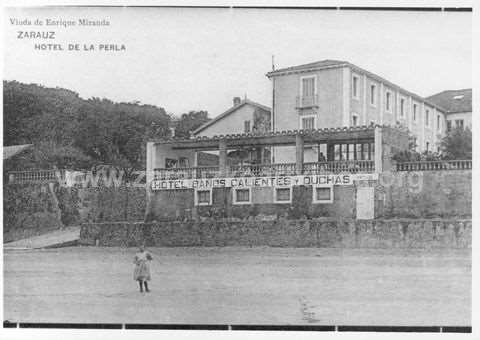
(141, 272)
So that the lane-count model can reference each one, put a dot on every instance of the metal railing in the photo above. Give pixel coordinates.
(186, 173)
(36, 176)
(434, 165)
(257, 170)
(262, 170)
(338, 167)
(306, 101)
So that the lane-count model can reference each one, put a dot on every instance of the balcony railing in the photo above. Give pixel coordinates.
(338, 167)
(435, 165)
(187, 173)
(306, 101)
(35, 176)
(258, 170)
(262, 170)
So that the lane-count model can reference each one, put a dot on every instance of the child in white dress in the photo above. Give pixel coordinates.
(141, 272)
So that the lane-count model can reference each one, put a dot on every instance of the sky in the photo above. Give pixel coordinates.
(199, 59)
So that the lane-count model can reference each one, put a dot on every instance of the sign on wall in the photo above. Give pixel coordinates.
(248, 182)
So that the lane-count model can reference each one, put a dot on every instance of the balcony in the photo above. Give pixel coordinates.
(266, 170)
(305, 102)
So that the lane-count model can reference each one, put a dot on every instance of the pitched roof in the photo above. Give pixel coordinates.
(329, 63)
(453, 101)
(230, 111)
(315, 65)
(10, 151)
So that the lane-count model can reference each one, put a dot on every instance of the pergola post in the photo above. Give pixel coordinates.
(299, 154)
(222, 162)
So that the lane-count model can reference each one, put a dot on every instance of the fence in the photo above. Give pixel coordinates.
(435, 165)
(338, 167)
(73, 178)
(36, 176)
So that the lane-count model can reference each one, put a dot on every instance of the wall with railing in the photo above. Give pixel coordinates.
(434, 165)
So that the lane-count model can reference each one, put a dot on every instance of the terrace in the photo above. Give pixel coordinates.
(347, 150)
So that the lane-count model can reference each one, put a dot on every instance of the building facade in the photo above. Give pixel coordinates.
(333, 93)
(457, 105)
(245, 116)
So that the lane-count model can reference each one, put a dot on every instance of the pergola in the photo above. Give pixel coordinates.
(297, 138)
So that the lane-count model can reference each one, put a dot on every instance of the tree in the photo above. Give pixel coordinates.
(69, 131)
(190, 121)
(457, 144)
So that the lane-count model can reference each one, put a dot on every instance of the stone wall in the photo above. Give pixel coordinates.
(401, 233)
(33, 209)
(29, 210)
(427, 194)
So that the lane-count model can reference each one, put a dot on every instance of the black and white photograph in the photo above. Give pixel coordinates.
(238, 168)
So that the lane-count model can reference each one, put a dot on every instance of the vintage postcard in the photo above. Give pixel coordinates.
(237, 168)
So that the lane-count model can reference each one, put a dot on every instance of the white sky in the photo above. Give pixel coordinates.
(191, 59)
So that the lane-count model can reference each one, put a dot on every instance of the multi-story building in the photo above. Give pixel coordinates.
(333, 93)
(457, 105)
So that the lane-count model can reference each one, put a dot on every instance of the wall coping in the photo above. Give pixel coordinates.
(298, 220)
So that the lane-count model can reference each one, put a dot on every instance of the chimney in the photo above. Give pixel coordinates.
(236, 101)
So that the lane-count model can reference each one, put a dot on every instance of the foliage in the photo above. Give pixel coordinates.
(190, 121)
(457, 144)
(68, 131)
(261, 120)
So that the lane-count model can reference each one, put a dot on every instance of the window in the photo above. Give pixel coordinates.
(438, 122)
(242, 196)
(402, 107)
(170, 163)
(343, 154)
(427, 146)
(449, 125)
(459, 123)
(308, 86)
(246, 125)
(308, 122)
(373, 95)
(427, 117)
(203, 197)
(183, 162)
(414, 112)
(358, 151)
(355, 87)
(283, 195)
(354, 120)
(388, 99)
(351, 152)
(322, 194)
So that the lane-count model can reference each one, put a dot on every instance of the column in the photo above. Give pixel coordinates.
(378, 156)
(410, 114)
(365, 99)
(222, 163)
(381, 104)
(150, 163)
(299, 154)
(346, 96)
(421, 121)
(195, 159)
